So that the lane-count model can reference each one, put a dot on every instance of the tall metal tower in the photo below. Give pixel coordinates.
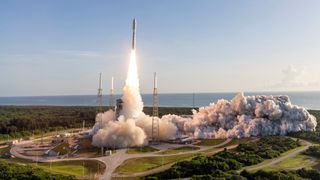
(155, 111)
(99, 108)
(111, 95)
(99, 96)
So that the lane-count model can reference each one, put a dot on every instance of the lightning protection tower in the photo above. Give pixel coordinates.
(155, 111)
(99, 108)
(111, 95)
(99, 96)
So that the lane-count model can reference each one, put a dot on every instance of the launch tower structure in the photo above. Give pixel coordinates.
(155, 111)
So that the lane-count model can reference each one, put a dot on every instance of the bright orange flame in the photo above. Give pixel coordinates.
(132, 76)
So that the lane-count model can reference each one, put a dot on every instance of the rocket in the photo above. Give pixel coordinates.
(134, 26)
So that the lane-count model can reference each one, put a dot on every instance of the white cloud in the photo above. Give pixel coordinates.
(295, 78)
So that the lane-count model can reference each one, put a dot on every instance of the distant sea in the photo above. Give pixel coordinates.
(310, 100)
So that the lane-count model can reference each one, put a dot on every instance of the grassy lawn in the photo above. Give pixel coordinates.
(269, 160)
(146, 163)
(298, 161)
(78, 168)
(138, 150)
(210, 142)
(180, 149)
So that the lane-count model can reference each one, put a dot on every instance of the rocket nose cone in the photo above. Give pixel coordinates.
(134, 23)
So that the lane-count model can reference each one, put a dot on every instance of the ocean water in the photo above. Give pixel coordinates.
(310, 100)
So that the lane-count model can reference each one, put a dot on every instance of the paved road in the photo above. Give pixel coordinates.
(165, 167)
(113, 161)
(281, 158)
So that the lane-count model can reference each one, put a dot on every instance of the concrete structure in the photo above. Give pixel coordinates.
(108, 153)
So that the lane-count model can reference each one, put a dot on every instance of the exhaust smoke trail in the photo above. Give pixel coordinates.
(133, 105)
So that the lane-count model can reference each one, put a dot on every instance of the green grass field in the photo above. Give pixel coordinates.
(180, 150)
(296, 162)
(136, 165)
(138, 150)
(269, 160)
(77, 168)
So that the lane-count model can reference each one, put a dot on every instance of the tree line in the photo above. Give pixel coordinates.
(21, 121)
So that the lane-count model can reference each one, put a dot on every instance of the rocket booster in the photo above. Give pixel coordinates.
(134, 26)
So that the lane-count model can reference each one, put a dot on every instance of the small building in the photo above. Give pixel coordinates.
(108, 153)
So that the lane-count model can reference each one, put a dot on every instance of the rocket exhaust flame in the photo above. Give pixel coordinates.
(132, 76)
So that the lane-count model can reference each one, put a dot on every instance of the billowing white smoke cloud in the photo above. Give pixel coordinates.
(121, 133)
(246, 116)
(243, 116)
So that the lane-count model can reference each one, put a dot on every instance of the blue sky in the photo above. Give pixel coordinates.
(59, 47)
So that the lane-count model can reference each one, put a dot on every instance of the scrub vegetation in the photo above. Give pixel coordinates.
(22, 121)
(15, 171)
